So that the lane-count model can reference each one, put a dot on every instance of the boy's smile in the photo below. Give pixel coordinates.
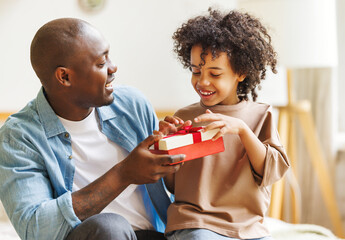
(215, 81)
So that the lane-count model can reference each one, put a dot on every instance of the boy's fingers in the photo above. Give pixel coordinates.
(155, 132)
(187, 123)
(173, 120)
(218, 135)
(180, 121)
(206, 117)
(166, 127)
(213, 125)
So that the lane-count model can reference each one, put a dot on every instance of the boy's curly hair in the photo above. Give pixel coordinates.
(240, 35)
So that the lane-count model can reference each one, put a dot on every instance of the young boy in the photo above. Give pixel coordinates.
(226, 195)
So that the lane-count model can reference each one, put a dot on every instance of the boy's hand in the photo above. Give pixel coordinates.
(171, 124)
(225, 123)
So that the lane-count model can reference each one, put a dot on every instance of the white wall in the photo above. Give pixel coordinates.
(341, 66)
(139, 33)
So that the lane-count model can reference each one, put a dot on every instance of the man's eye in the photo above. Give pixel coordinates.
(215, 75)
(101, 65)
(195, 73)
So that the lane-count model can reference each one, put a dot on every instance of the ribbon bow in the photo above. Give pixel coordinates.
(183, 131)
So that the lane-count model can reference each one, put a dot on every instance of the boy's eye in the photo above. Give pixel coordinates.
(215, 75)
(194, 71)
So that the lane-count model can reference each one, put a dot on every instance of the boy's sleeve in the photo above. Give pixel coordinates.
(276, 160)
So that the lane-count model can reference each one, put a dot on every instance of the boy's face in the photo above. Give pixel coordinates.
(215, 82)
(92, 72)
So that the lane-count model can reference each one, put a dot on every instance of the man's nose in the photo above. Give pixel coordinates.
(112, 68)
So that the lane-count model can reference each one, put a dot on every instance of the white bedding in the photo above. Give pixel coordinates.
(285, 231)
(280, 230)
(7, 232)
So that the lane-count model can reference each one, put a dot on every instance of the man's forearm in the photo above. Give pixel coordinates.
(93, 198)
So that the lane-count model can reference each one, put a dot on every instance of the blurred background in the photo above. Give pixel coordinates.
(309, 37)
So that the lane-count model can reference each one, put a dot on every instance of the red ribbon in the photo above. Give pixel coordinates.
(183, 131)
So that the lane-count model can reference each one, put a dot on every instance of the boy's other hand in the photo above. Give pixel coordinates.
(171, 124)
(226, 124)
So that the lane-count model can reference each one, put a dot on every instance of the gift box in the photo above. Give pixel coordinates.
(191, 142)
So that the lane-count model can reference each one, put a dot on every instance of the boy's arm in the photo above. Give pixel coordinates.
(264, 151)
(255, 149)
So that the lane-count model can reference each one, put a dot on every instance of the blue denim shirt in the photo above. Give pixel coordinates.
(36, 161)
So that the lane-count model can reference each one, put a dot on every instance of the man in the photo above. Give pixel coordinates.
(80, 147)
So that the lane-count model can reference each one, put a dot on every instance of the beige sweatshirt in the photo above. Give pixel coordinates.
(221, 192)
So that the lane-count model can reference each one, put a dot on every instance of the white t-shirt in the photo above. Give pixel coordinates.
(94, 154)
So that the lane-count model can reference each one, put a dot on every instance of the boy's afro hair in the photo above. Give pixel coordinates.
(240, 35)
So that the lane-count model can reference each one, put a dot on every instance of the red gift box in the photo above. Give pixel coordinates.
(191, 142)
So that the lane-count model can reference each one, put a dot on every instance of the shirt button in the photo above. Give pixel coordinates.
(70, 157)
(66, 135)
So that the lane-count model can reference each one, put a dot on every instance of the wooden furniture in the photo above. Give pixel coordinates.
(4, 116)
(161, 114)
(301, 111)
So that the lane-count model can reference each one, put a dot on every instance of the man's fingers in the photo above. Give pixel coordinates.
(151, 140)
(169, 159)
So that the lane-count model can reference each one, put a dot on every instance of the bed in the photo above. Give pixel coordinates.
(280, 230)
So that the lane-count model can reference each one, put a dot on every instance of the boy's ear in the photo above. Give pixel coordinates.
(241, 78)
(61, 74)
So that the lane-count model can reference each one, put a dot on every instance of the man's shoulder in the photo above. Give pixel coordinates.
(127, 92)
(20, 122)
(128, 101)
(128, 96)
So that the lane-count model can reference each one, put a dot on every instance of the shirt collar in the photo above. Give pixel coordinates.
(105, 113)
(50, 121)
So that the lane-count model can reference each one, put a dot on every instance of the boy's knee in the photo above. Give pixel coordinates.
(104, 226)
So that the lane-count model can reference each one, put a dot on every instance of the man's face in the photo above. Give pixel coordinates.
(91, 72)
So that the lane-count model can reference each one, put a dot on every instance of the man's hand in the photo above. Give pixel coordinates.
(141, 166)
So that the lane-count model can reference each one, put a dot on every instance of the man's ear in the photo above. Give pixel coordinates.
(61, 74)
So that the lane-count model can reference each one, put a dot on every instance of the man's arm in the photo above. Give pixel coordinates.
(27, 194)
(140, 167)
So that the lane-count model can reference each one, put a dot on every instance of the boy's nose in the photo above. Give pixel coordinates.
(203, 81)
